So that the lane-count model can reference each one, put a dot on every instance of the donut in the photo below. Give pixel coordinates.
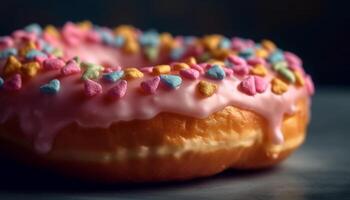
(125, 105)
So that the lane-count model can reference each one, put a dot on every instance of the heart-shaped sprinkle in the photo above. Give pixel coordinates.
(119, 90)
(53, 87)
(241, 70)
(216, 73)
(150, 86)
(248, 86)
(206, 88)
(172, 81)
(31, 69)
(190, 73)
(12, 66)
(113, 76)
(53, 64)
(13, 83)
(92, 88)
(71, 68)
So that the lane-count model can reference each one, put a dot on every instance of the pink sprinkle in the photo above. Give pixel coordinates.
(53, 64)
(260, 84)
(50, 38)
(204, 65)
(228, 72)
(40, 59)
(237, 60)
(239, 44)
(93, 37)
(310, 85)
(248, 85)
(92, 88)
(256, 61)
(119, 90)
(241, 70)
(71, 34)
(292, 59)
(14, 83)
(150, 86)
(71, 68)
(198, 68)
(190, 73)
(146, 69)
(6, 42)
(23, 35)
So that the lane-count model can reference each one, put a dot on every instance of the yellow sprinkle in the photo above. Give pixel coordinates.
(180, 66)
(26, 48)
(300, 81)
(258, 70)
(131, 47)
(261, 53)
(191, 61)
(167, 40)
(211, 42)
(85, 25)
(161, 69)
(12, 66)
(126, 31)
(278, 86)
(268, 45)
(216, 62)
(206, 88)
(222, 54)
(30, 69)
(52, 30)
(132, 73)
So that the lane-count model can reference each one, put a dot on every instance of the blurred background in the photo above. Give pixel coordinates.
(316, 30)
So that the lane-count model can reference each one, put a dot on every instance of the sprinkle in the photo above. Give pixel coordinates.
(151, 53)
(57, 52)
(279, 65)
(229, 72)
(30, 69)
(92, 71)
(276, 56)
(256, 61)
(206, 88)
(113, 76)
(8, 52)
(309, 85)
(6, 42)
(146, 69)
(93, 37)
(35, 53)
(53, 87)
(216, 62)
(26, 48)
(246, 53)
(119, 41)
(23, 35)
(119, 90)
(299, 79)
(287, 74)
(132, 73)
(14, 83)
(161, 69)
(236, 60)
(292, 59)
(180, 66)
(258, 70)
(225, 43)
(1, 82)
(268, 45)
(131, 47)
(92, 88)
(216, 72)
(248, 86)
(241, 70)
(278, 86)
(172, 81)
(260, 84)
(12, 65)
(177, 53)
(198, 68)
(34, 28)
(149, 38)
(53, 64)
(191, 61)
(211, 42)
(70, 68)
(150, 86)
(189, 73)
(261, 53)
(51, 31)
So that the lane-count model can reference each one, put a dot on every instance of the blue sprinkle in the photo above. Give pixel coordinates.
(113, 76)
(276, 57)
(8, 52)
(171, 81)
(216, 72)
(1, 82)
(106, 37)
(34, 28)
(149, 38)
(47, 48)
(177, 53)
(32, 54)
(119, 41)
(188, 40)
(225, 43)
(51, 88)
(246, 53)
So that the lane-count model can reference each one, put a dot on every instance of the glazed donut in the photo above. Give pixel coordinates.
(128, 105)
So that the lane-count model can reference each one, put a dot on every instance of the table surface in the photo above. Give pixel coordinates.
(318, 170)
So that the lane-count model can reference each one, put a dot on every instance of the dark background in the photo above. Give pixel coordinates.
(315, 30)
